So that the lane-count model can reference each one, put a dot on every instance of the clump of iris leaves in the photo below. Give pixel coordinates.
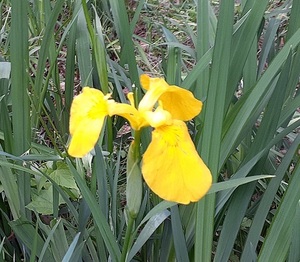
(241, 58)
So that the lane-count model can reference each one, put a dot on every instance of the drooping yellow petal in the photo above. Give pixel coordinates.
(85, 137)
(180, 102)
(88, 112)
(172, 167)
(129, 112)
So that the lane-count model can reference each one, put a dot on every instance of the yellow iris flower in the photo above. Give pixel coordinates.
(171, 165)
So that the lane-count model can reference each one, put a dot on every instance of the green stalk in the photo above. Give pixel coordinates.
(134, 190)
(118, 9)
(110, 139)
(19, 87)
(128, 234)
(213, 121)
(203, 30)
(98, 50)
(137, 140)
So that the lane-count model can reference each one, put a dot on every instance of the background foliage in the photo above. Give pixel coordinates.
(241, 58)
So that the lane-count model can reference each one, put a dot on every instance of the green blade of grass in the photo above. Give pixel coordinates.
(25, 232)
(178, 236)
(68, 256)
(173, 61)
(9, 183)
(278, 239)
(244, 169)
(265, 133)
(39, 88)
(167, 247)
(294, 254)
(267, 43)
(5, 123)
(233, 183)
(242, 43)
(19, 92)
(250, 71)
(70, 71)
(202, 45)
(83, 50)
(97, 43)
(123, 29)
(50, 235)
(147, 231)
(100, 54)
(294, 22)
(201, 65)
(289, 109)
(137, 13)
(266, 202)
(213, 119)
(99, 217)
(235, 126)
(100, 174)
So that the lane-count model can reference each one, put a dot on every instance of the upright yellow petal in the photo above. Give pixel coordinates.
(155, 88)
(130, 97)
(88, 112)
(172, 167)
(145, 81)
(180, 102)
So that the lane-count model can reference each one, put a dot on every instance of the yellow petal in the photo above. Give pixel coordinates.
(172, 167)
(157, 118)
(129, 112)
(85, 137)
(88, 112)
(145, 81)
(130, 97)
(156, 87)
(180, 102)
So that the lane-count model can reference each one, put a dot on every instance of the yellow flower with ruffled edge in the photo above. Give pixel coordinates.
(171, 165)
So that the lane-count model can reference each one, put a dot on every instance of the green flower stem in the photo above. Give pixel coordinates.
(137, 140)
(133, 190)
(110, 142)
(127, 239)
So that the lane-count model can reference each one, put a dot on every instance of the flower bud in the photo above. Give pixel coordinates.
(134, 182)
